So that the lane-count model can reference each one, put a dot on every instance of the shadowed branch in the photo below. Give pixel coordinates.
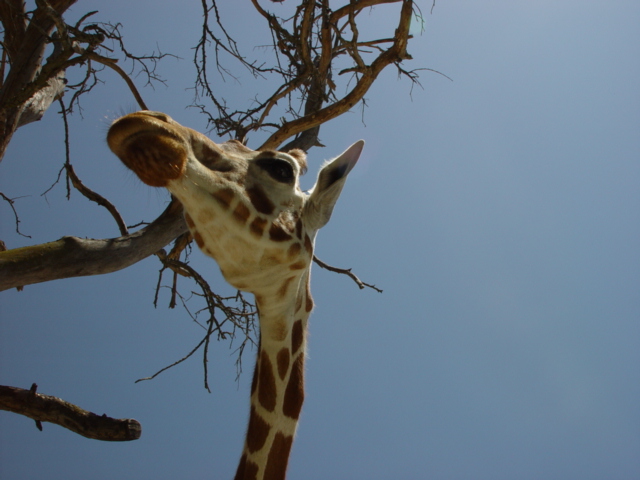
(76, 257)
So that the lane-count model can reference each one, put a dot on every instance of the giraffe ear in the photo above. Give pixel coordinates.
(331, 179)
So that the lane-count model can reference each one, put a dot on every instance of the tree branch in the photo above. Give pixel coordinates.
(76, 257)
(11, 201)
(26, 47)
(45, 408)
(305, 58)
(111, 63)
(394, 54)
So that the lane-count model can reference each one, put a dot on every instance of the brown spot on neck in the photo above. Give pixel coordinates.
(278, 459)
(297, 336)
(284, 357)
(257, 431)
(294, 393)
(247, 470)
(267, 393)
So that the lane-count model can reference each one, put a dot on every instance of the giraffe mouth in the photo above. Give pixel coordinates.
(149, 146)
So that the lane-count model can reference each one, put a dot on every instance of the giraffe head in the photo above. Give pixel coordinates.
(243, 207)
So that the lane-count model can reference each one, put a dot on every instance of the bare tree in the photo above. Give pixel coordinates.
(323, 67)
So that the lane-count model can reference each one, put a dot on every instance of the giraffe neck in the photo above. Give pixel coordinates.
(277, 389)
(245, 209)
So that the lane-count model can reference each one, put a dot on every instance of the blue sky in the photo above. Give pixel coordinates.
(498, 211)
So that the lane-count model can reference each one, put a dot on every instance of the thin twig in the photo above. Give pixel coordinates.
(82, 188)
(177, 362)
(111, 63)
(345, 271)
(11, 201)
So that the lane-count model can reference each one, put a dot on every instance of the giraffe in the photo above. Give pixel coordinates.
(245, 209)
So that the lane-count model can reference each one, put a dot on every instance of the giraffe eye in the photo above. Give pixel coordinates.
(280, 170)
